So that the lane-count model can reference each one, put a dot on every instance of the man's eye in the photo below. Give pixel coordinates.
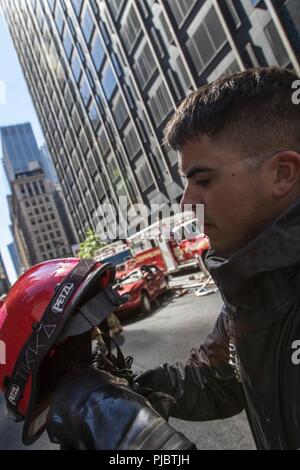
(203, 182)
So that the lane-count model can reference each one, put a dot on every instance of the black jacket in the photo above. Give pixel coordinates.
(246, 362)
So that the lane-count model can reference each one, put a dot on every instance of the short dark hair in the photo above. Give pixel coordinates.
(250, 110)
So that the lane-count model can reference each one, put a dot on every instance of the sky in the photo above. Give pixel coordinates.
(16, 108)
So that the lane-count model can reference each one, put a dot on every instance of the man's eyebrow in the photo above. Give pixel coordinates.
(193, 171)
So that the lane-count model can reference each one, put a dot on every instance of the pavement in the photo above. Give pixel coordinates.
(177, 324)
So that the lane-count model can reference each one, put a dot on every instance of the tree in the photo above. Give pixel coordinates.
(87, 249)
(90, 245)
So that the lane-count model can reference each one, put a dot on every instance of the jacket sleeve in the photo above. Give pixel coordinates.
(205, 388)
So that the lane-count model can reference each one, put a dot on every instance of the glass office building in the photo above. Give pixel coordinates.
(106, 75)
(19, 148)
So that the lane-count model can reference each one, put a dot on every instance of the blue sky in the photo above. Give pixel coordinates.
(17, 108)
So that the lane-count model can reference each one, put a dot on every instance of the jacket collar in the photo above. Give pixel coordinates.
(262, 273)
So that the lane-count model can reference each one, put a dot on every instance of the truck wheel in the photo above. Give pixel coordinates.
(145, 305)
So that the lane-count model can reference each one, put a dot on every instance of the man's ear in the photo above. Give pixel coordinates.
(287, 173)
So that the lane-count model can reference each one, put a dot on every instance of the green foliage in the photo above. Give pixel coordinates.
(90, 245)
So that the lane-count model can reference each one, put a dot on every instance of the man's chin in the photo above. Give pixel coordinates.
(220, 250)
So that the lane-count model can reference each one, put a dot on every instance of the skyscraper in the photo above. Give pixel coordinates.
(40, 228)
(19, 148)
(105, 76)
(15, 258)
(48, 163)
(4, 282)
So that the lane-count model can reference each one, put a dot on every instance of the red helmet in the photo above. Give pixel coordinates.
(50, 303)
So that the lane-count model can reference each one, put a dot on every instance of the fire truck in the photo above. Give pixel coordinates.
(172, 244)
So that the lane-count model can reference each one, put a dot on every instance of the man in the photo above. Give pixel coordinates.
(238, 142)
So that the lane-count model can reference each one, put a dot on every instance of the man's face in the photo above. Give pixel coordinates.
(237, 199)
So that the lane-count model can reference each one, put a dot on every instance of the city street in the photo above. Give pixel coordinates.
(167, 335)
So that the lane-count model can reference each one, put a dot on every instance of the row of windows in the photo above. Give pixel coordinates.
(39, 201)
(50, 236)
(40, 210)
(36, 188)
(46, 218)
(52, 254)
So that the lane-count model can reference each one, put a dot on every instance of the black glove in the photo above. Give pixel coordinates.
(154, 384)
(92, 409)
(155, 379)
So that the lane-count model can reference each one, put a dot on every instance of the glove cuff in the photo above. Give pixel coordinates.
(158, 435)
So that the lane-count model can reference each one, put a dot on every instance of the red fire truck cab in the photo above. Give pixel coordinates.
(178, 250)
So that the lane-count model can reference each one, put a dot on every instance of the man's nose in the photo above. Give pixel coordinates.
(187, 198)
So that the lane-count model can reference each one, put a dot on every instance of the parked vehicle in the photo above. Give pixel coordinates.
(174, 253)
(143, 284)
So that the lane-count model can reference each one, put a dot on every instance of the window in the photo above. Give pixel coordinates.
(42, 187)
(94, 115)
(51, 4)
(115, 7)
(173, 157)
(276, 44)
(290, 16)
(76, 120)
(206, 41)
(180, 9)
(165, 29)
(232, 68)
(85, 91)
(68, 45)
(131, 141)
(108, 82)
(104, 33)
(87, 24)
(120, 111)
(145, 65)
(29, 190)
(75, 65)
(112, 169)
(103, 143)
(97, 52)
(59, 19)
(77, 4)
(143, 174)
(84, 142)
(130, 29)
(182, 74)
(36, 188)
(91, 164)
(233, 13)
(99, 188)
(160, 103)
(116, 64)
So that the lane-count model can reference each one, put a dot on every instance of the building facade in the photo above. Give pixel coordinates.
(19, 148)
(48, 163)
(106, 75)
(15, 257)
(4, 282)
(40, 228)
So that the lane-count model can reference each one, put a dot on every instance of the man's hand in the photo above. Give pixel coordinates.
(148, 384)
(92, 409)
